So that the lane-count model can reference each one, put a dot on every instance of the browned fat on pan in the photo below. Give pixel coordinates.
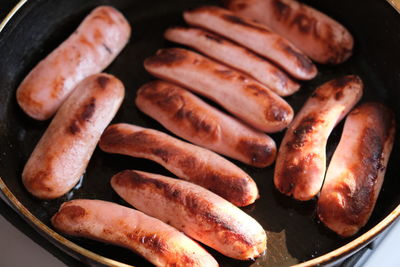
(154, 240)
(238, 93)
(191, 118)
(357, 169)
(236, 56)
(256, 37)
(187, 161)
(320, 37)
(301, 162)
(62, 154)
(194, 210)
(89, 50)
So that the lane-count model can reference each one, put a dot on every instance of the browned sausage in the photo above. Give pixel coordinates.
(244, 97)
(317, 35)
(357, 169)
(62, 154)
(194, 210)
(187, 161)
(107, 222)
(192, 119)
(254, 36)
(235, 56)
(89, 50)
(301, 162)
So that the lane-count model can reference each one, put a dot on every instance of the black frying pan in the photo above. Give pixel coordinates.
(294, 233)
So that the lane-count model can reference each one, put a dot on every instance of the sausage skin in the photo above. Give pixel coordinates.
(154, 240)
(194, 210)
(254, 36)
(62, 154)
(242, 96)
(187, 161)
(89, 50)
(320, 37)
(301, 162)
(357, 169)
(235, 56)
(191, 118)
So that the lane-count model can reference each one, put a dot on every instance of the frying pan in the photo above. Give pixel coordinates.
(294, 233)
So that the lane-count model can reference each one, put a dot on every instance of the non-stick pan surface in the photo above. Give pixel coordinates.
(294, 233)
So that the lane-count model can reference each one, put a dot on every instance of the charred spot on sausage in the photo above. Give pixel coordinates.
(215, 38)
(344, 81)
(258, 153)
(167, 57)
(281, 10)
(302, 132)
(103, 81)
(304, 23)
(302, 61)
(239, 21)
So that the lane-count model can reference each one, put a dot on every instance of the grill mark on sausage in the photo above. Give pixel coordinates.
(24, 96)
(104, 15)
(240, 21)
(277, 113)
(336, 88)
(281, 10)
(73, 212)
(186, 260)
(302, 133)
(304, 23)
(166, 57)
(98, 36)
(57, 87)
(37, 182)
(302, 61)
(150, 241)
(258, 153)
(173, 101)
(274, 112)
(225, 73)
(193, 204)
(214, 38)
(89, 109)
(82, 117)
(344, 81)
(84, 41)
(103, 81)
(241, 6)
(283, 78)
(74, 128)
(140, 142)
(226, 185)
(293, 173)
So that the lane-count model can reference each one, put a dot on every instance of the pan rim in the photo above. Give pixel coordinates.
(58, 239)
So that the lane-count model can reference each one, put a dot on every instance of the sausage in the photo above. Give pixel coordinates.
(235, 56)
(187, 161)
(191, 118)
(254, 36)
(236, 92)
(89, 50)
(301, 162)
(193, 210)
(357, 169)
(107, 222)
(62, 154)
(320, 37)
